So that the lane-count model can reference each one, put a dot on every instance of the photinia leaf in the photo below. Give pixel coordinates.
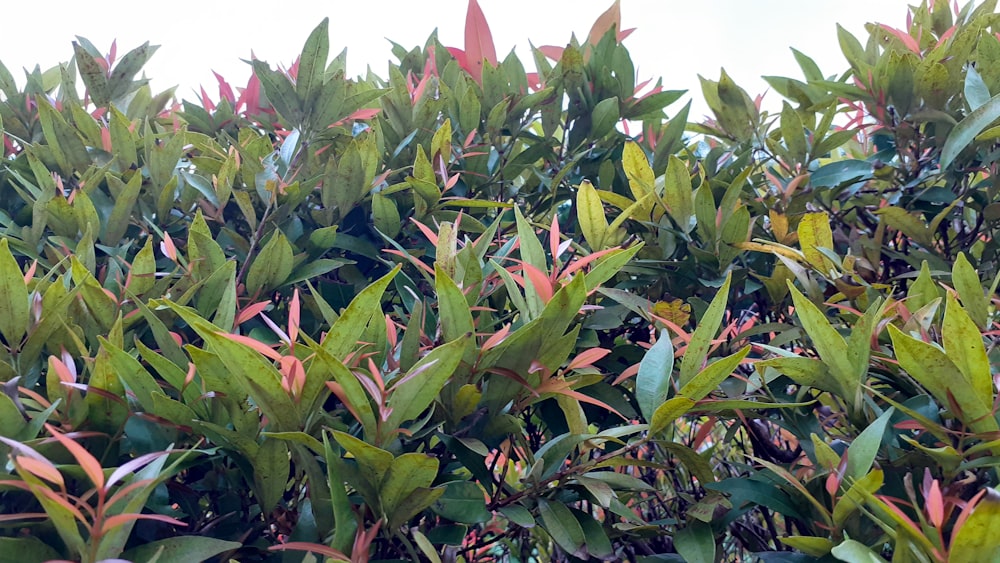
(652, 383)
(14, 303)
(478, 42)
(701, 340)
(968, 129)
(563, 527)
(590, 211)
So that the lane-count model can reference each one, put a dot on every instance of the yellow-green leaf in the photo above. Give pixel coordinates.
(814, 232)
(14, 303)
(272, 266)
(590, 211)
(979, 537)
(677, 193)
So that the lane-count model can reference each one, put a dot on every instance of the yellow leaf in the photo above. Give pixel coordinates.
(814, 232)
(779, 226)
(640, 176)
(590, 210)
(676, 311)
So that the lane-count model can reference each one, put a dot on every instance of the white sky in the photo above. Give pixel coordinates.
(675, 39)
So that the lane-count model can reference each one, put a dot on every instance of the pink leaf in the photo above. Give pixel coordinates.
(294, 317)
(251, 343)
(250, 311)
(206, 101)
(539, 281)
(167, 247)
(496, 338)
(40, 468)
(478, 41)
(935, 504)
(908, 41)
(87, 462)
(225, 90)
(587, 358)
(610, 19)
(552, 52)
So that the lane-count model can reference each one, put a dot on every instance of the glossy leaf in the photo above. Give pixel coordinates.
(652, 383)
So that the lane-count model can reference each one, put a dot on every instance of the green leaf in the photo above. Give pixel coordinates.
(406, 474)
(792, 132)
(979, 537)
(862, 451)
(934, 370)
(964, 345)
(375, 461)
(668, 412)
(701, 340)
(518, 515)
(272, 266)
(855, 496)
(678, 195)
(93, 75)
(416, 390)
(598, 544)
(342, 337)
(270, 472)
(855, 552)
(715, 373)
(15, 306)
(830, 345)
(463, 501)
(652, 384)
(121, 213)
(453, 311)
(563, 527)
(696, 542)
(180, 549)
(967, 130)
(279, 92)
(312, 64)
(970, 290)
(604, 117)
(256, 375)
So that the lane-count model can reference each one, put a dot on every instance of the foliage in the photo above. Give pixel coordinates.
(461, 313)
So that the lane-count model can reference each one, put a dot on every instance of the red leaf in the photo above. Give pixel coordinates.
(206, 101)
(225, 90)
(478, 41)
(610, 19)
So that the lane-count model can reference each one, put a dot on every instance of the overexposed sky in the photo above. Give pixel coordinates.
(675, 39)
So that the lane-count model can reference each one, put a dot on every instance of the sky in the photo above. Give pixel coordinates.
(674, 39)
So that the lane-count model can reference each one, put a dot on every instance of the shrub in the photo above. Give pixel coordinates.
(459, 313)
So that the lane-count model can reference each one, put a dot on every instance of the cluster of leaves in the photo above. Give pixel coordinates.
(436, 315)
